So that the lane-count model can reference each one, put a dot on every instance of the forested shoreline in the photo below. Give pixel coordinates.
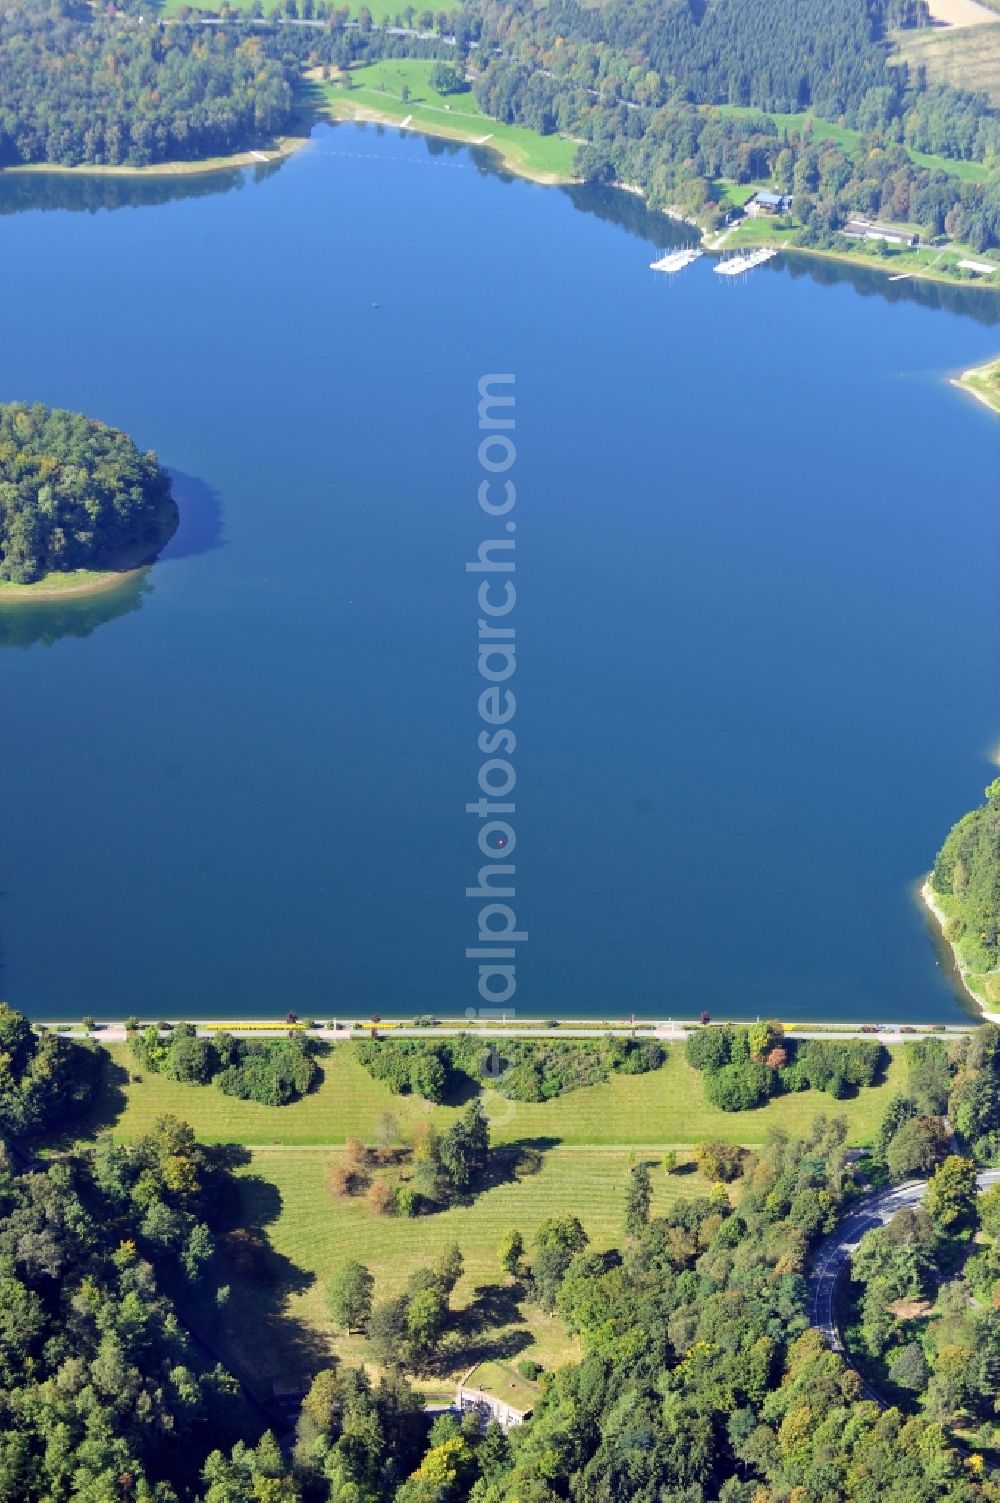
(966, 882)
(83, 89)
(74, 493)
(653, 91)
(674, 99)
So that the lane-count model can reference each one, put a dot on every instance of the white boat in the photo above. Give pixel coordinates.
(675, 260)
(734, 266)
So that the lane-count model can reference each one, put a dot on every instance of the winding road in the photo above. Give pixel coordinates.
(836, 1250)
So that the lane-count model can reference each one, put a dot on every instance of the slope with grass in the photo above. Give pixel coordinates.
(967, 57)
(664, 1108)
(277, 1326)
(376, 94)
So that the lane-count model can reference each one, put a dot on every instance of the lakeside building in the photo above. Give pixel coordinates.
(767, 203)
(870, 229)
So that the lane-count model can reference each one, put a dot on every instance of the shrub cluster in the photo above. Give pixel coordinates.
(520, 1069)
(433, 1171)
(272, 1071)
(743, 1067)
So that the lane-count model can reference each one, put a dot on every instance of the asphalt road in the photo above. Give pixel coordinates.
(836, 1250)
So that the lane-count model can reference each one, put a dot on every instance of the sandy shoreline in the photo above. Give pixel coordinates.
(282, 148)
(345, 112)
(934, 908)
(99, 580)
(965, 382)
(26, 594)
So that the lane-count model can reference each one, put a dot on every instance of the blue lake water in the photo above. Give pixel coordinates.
(758, 544)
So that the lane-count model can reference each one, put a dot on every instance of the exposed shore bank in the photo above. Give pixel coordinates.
(343, 109)
(983, 383)
(282, 147)
(408, 116)
(85, 582)
(347, 111)
(932, 904)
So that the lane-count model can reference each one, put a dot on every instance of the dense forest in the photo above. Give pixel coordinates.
(923, 1319)
(651, 89)
(82, 89)
(816, 54)
(967, 870)
(73, 493)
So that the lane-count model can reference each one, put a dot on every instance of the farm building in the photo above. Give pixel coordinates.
(870, 229)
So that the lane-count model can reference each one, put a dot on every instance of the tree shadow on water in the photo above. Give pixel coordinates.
(199, 509)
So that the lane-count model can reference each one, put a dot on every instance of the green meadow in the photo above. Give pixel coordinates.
(662, 1109)
(280, 1325)
(378, 90)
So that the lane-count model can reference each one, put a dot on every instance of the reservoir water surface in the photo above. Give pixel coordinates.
(758, 538)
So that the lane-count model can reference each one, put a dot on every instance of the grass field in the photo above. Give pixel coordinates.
(377, 92)
(76, 582)
(311, 1233)
(276, 1324)
(823, 130)
(967, 57)
(666, 1107)
(735, 194)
